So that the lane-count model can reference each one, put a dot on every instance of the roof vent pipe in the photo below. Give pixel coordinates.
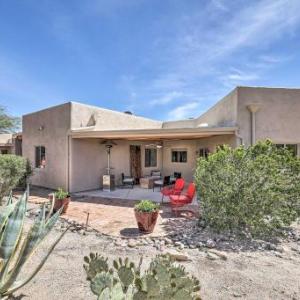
(127, 112)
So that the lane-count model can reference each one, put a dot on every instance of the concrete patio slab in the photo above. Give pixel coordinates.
(135, 194)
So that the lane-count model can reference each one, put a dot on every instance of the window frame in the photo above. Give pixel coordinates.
(287, 146)
(150, 161)
(179, 156)
(40, 156)
(203, 152)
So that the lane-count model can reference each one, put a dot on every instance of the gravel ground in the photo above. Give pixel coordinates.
(237, 274)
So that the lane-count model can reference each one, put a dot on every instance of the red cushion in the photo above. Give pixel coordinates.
(179, 199)
(169, 191)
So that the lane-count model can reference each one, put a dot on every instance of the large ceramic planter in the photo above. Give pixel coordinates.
(58, 203)
(146, 220)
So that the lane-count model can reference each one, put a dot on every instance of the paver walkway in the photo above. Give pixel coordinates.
(115, 216)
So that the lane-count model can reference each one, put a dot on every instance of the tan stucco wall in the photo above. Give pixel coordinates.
(107, 119)
(192, 146)
(223, 113)
(55, 122)
(186, 169)
(212, 142)
(278, 118)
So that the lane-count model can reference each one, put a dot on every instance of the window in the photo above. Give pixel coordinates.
(40, 157)
(150, 157)
(203, 152)
(4, 151)
(179, 156)
(292, 147)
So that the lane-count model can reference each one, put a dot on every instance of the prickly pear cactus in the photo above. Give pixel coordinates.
(95, 264)
(164, 280)
(126, 272)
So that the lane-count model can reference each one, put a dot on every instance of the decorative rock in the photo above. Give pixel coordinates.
(131, 243)
(178, 256)
(211, 256)
(200, 244)
(168, 241)
(210, 243)
(218, 253)
(270, 246)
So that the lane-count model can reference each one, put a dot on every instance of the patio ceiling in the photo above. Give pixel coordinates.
(155, 134)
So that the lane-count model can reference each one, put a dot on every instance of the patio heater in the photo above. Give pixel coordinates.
(108, 178)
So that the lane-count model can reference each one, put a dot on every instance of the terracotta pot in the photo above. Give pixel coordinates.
(62, 202)
(146, 220)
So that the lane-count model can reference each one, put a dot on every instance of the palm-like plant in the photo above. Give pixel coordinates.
(15, 248)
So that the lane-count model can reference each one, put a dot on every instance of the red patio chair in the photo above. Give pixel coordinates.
(175, 190)
(182, 200)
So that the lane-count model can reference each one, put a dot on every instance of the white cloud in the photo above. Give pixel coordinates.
(184, 111)
(219, 4)
(167, 98)
(199, 53)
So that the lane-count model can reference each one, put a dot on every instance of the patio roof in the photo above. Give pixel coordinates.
(156, 133)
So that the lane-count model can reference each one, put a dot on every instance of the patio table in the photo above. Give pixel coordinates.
(147, 182)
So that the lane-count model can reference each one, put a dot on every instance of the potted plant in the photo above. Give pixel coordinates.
(146, 213)
(62, 198)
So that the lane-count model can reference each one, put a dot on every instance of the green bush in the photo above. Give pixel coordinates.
(12, 169)
(254, 190)
(146, 206)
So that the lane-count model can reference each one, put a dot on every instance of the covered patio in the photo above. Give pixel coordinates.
(137, 153)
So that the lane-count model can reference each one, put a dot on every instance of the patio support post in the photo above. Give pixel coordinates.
(253, 108)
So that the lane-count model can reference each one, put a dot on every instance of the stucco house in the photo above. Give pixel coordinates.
(65, 142)
(11, 143)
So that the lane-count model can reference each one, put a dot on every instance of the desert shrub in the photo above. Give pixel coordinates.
(12, 169)
(254, 190)
(162, 280)
(28, 173)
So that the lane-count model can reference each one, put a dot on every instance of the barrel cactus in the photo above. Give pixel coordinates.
(15, 248)
(162, 280)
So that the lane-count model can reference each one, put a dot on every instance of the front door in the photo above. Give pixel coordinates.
(135, 162)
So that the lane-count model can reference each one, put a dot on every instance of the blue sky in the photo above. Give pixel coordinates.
(165, 60)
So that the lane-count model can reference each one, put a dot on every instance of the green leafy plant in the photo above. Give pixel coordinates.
(163, 280)
(12, 169)
(253, 190)
(146, 206)
(16, 247)
(61, 194)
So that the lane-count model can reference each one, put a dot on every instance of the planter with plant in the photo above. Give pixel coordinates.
(146, 213)
(62, 199)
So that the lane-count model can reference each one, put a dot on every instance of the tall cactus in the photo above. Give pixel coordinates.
(15, 249)
(163, 280)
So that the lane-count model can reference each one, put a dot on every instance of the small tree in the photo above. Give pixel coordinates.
(7, 122)
(12, 169)
(255, 189)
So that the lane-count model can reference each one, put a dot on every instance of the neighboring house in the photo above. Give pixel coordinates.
(65, 142)
(11, 143)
